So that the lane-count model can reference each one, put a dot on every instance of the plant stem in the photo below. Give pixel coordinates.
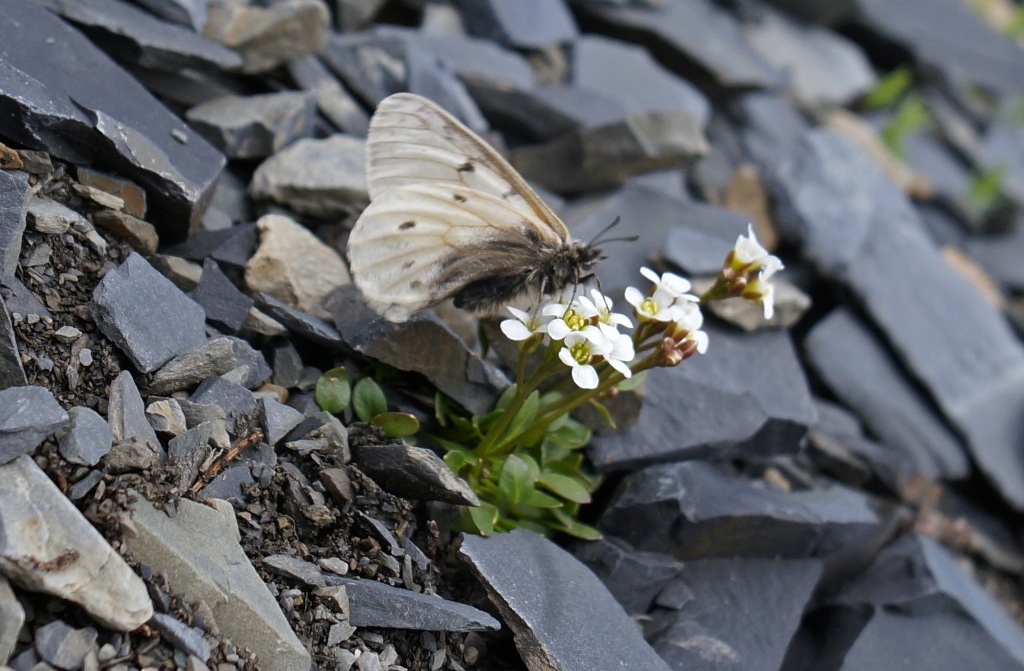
(491, 441)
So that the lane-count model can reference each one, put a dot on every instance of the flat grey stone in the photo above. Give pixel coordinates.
(278, 419)
(46, 545)
(197, 413)
(12, 373)
(228, 484)
(87, 437)
(50, 217)
(225, 306)
(214, 357)
(245, 127)
(550, 601)
(64, 646)
(190, 13)
(132, 455)
(12, 618)
(148, 317)
(423, 344)
(413, 472)
(265, 37)
(81, 489)
(126, 412)
(198, 551)
(166, 416)
(236, 400)
(633, 577)
(295, 568)
(55, 76)
(187, 452)
(27, 416)
(287, 365)
(325, 178)
(185, 638)
(863, 374)
(374, 604)
(526, 25)
(332, 99)
(14, 197)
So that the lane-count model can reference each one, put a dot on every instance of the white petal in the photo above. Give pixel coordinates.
(515, 330)
(585, 377)
(634, 297)
(521, 315)
(622, 348)
(609, 331)
(566, 357)
(770, 266)
(650, 274)
(558, 329)
(701, 338)
(586, 307)
(554, 309)
(675, 284)
(621, 367)
(599, 342)
(574, 338)
(769, 301)
(619, 319)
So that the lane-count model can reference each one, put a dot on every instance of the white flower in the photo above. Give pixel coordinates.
(762, 292)
(689, 322)
(580, 348)
(749, 256)
(669, 291)
(567, 319)
(601, 307)
(523, 326)
(621, 354)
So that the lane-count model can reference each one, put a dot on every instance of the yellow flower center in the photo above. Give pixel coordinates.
(574, 320)
(580, 352)
(649, 307)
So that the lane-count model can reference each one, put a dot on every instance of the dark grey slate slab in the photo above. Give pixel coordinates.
(126, 412)
(697, 31)
(634, 578)
(68, 98)
(700, 241)
(299, 322)
(254, 126)
(862, 373)
(63, 646)
(431, 78)
(14, 197)
(134, 36)
(413, 472)
(185, 638)
(225, 306)
(186, 12)
(236, 400)
(374, 604)
(857, 228)
(748, 393)
(424, 344)
(528, 24)
(278, 419)
(12, 373)
(332, 99)
(27, 416)
(693, 509)
(148, 317)
(216, 356)
(1001, 149)
(1000, 255)
(742, 613)
(87, 437)
(560, 613)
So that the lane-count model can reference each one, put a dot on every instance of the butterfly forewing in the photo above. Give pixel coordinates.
(414, 141)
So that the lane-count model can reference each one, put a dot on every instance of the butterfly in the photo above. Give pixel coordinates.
(450, 218)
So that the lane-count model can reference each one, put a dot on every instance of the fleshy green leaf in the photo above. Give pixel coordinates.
(527, 413)
(368, 400)
(890, 88)
(603, 411)
(532, 463)
(484, 518)
(539, 499)
(333, 391)
(514, 481)
(506, 397)
(397, 424)
(564, 486)
(574, 527)
(458, 458)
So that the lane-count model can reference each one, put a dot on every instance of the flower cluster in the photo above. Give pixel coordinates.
(747, 272)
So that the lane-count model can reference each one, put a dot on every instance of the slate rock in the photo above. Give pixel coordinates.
(413, 472)
(726, 622)
(327, 430)
(698, 244)
(255, 126)
(146, 315)
(130, 193)
(1001, 146)
(15, 193)
(295, 568)
(237, 401)
(186, 12)
(50, 547)
(692, 509)
(166, 416)
(140, 235)
(824, 68)
(12, 373)
(862, 373)
(301, 323)
(747, 394)
(278, 419)
(198, 551)
(524, 25)
(132, 455)
(126, 412)
(185, 638)
(265, 37)
(223, 303)
(286, 363)
(27, 416)
(228, 484)
(699, 32)
(87, 437)
(634, 578)
(81, 489)
(294, 265)
(324, 178)
(998, 255)
(374, 604)
(50, 217)
(332, 99)
(57, 78)
(187, 452)
(217, 356)
(134, 36)
(63, 646)
(549, 600)
(423, 344)
(857, 229)
(12, 618)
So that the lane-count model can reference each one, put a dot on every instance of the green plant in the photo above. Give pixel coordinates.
(334, 393)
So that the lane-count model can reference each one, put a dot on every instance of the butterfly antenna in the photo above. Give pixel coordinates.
(596, 239)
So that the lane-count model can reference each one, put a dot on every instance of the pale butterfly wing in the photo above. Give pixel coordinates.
(420, 243)
(414, 141)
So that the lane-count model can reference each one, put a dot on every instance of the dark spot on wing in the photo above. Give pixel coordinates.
(415, 284)
(466, 167)
(459, 197)
(406, 225)
(407, 265)
(511, 193)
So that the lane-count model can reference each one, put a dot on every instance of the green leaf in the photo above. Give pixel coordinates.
(532, 463)
(631, 383)
(539, 499)
(565, 486)
(514, 481)
(458, 458)
(527, 413)
(890, 88)
(485, 423)
(397, 424)
(333, 391)
(484, 518)
(911, 115)
(368, 399)
(574, 527)
(441, 409)
(506, 397)
(986, 186)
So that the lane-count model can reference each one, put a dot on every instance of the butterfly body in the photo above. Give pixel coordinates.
(450, 218)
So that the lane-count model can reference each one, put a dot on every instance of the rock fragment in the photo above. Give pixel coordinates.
(27, 416)
(322, 178)
(87, 437)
